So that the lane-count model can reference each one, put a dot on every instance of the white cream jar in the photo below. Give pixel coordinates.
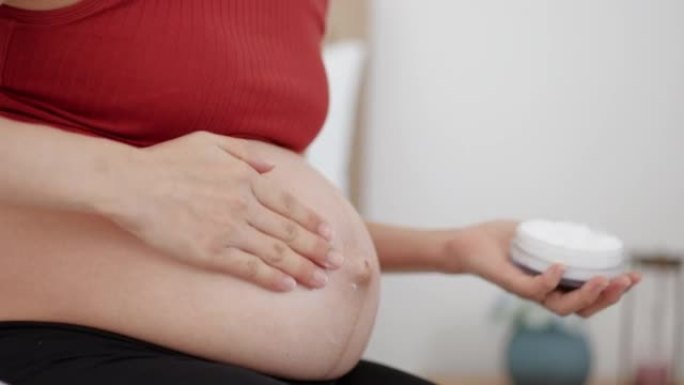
(585, 252)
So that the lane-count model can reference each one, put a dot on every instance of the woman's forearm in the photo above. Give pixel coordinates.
(407, 249)
(46, 167)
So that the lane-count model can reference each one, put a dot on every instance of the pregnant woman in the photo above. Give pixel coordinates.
(158, 224)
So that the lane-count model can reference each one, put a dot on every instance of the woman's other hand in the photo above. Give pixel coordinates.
(484, 250)
(202, 199)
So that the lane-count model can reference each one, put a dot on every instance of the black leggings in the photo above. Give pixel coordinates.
(37, 353)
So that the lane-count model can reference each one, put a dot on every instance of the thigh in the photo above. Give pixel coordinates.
(41, 354)
(369, 373)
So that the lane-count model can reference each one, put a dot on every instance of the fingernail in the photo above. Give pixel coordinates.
(267, 163)
(325, 231)
(319, 279)
(262, 165)
(288, 283)
(334, 259)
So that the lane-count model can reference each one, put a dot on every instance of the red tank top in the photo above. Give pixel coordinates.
(146, 71)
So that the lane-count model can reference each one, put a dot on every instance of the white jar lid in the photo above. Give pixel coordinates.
(583, 250)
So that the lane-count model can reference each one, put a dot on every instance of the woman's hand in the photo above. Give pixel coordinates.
(202, 199)
(484, 250)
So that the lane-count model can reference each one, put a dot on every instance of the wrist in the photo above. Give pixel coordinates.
(456, 256)
(442, 256)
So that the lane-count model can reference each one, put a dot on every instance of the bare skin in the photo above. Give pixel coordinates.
(189, 243)
(480, 249)
(64, 263)
(75, 266)
(483, 250)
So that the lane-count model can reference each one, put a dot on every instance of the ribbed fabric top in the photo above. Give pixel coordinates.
(146, 71)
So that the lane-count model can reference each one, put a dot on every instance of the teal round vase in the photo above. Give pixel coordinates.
(548, 355)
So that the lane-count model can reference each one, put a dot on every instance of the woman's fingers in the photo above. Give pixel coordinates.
(535, 288)
(288, 206)
(550, 280)
(634, 278)
(199, 212)
(567, 303)
(611, 295)
(238, 148)
(279, 255)
(298, 238)
(251, 268)
(594, 296)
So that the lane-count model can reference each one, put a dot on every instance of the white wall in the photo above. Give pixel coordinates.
(331, 151)
(500, 108)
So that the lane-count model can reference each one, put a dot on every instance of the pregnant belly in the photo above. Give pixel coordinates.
(76, 268)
